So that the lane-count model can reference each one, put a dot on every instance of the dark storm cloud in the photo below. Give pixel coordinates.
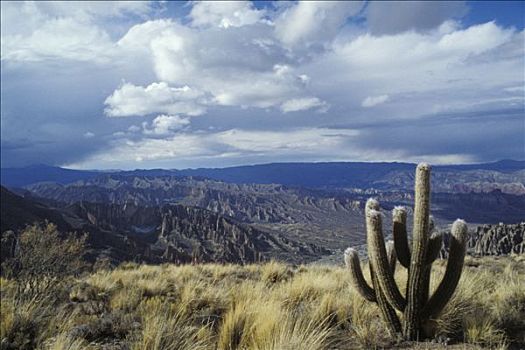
(486, 135)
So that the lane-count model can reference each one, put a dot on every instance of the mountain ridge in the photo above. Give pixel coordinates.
(318, 174)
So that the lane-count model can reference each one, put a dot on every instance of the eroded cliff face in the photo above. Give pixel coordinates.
(244, 202)
(179, 233)
(314, 217)
(498, 239)
(155, 234)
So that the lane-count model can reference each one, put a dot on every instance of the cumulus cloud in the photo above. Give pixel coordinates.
(224, 14)
(165, 125)
(302, 104)
(61, 38)
(141, 36)
(132, 100)
(311, 22)
(433, 72)
(36, 13)
(240, 68)
(372, 101)
(58, 30)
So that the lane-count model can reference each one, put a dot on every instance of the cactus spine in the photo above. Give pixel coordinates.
(416, 307)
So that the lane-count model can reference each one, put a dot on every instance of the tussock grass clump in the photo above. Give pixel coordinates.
(274, 272)
(271, 306)
(163, 327)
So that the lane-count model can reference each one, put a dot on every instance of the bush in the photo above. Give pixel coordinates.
(41, 252)
(41, 260)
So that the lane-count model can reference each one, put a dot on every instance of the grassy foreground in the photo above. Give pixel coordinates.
(270, 306)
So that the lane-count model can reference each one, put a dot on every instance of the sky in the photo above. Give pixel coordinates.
(125, 85)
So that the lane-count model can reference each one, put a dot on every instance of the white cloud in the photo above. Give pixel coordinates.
(302, 104)
(234, 146)
(372, 101)
(36, 13)
(519, 88)
(229, 144)
(140, 37)
(455, 158)
(433, 72)
(425, 50)
(131, 100)
(309, 22)
(96, 9)
(474, 40)
(88, 134)
(224, 14)
(240, 67)
(297, 56)
(165, 125)
(243, 66)
(134, 128)
(61, 38)
(298, 140)
(53, 30)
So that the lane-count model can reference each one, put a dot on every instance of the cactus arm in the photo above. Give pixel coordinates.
(356, 275)
(387, 311)
(392, 258)
(434, 247)
(399, 215)
(425, 287)
(417, 268)
(379, 260)
(446, 288)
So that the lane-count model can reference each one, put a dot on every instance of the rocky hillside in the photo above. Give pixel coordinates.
(498, 239)
(267, 203)
(166, 233)
(328, 218)
(183, 234)
(16, 212)
(311, 216)
(453, 181)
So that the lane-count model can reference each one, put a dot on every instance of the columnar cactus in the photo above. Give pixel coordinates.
(415, 304)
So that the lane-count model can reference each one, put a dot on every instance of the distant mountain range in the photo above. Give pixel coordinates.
(290, 211)
(384, 176)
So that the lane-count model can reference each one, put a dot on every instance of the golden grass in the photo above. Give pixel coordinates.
(271, 306)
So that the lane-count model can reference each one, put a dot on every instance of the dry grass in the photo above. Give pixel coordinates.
(272, 306)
